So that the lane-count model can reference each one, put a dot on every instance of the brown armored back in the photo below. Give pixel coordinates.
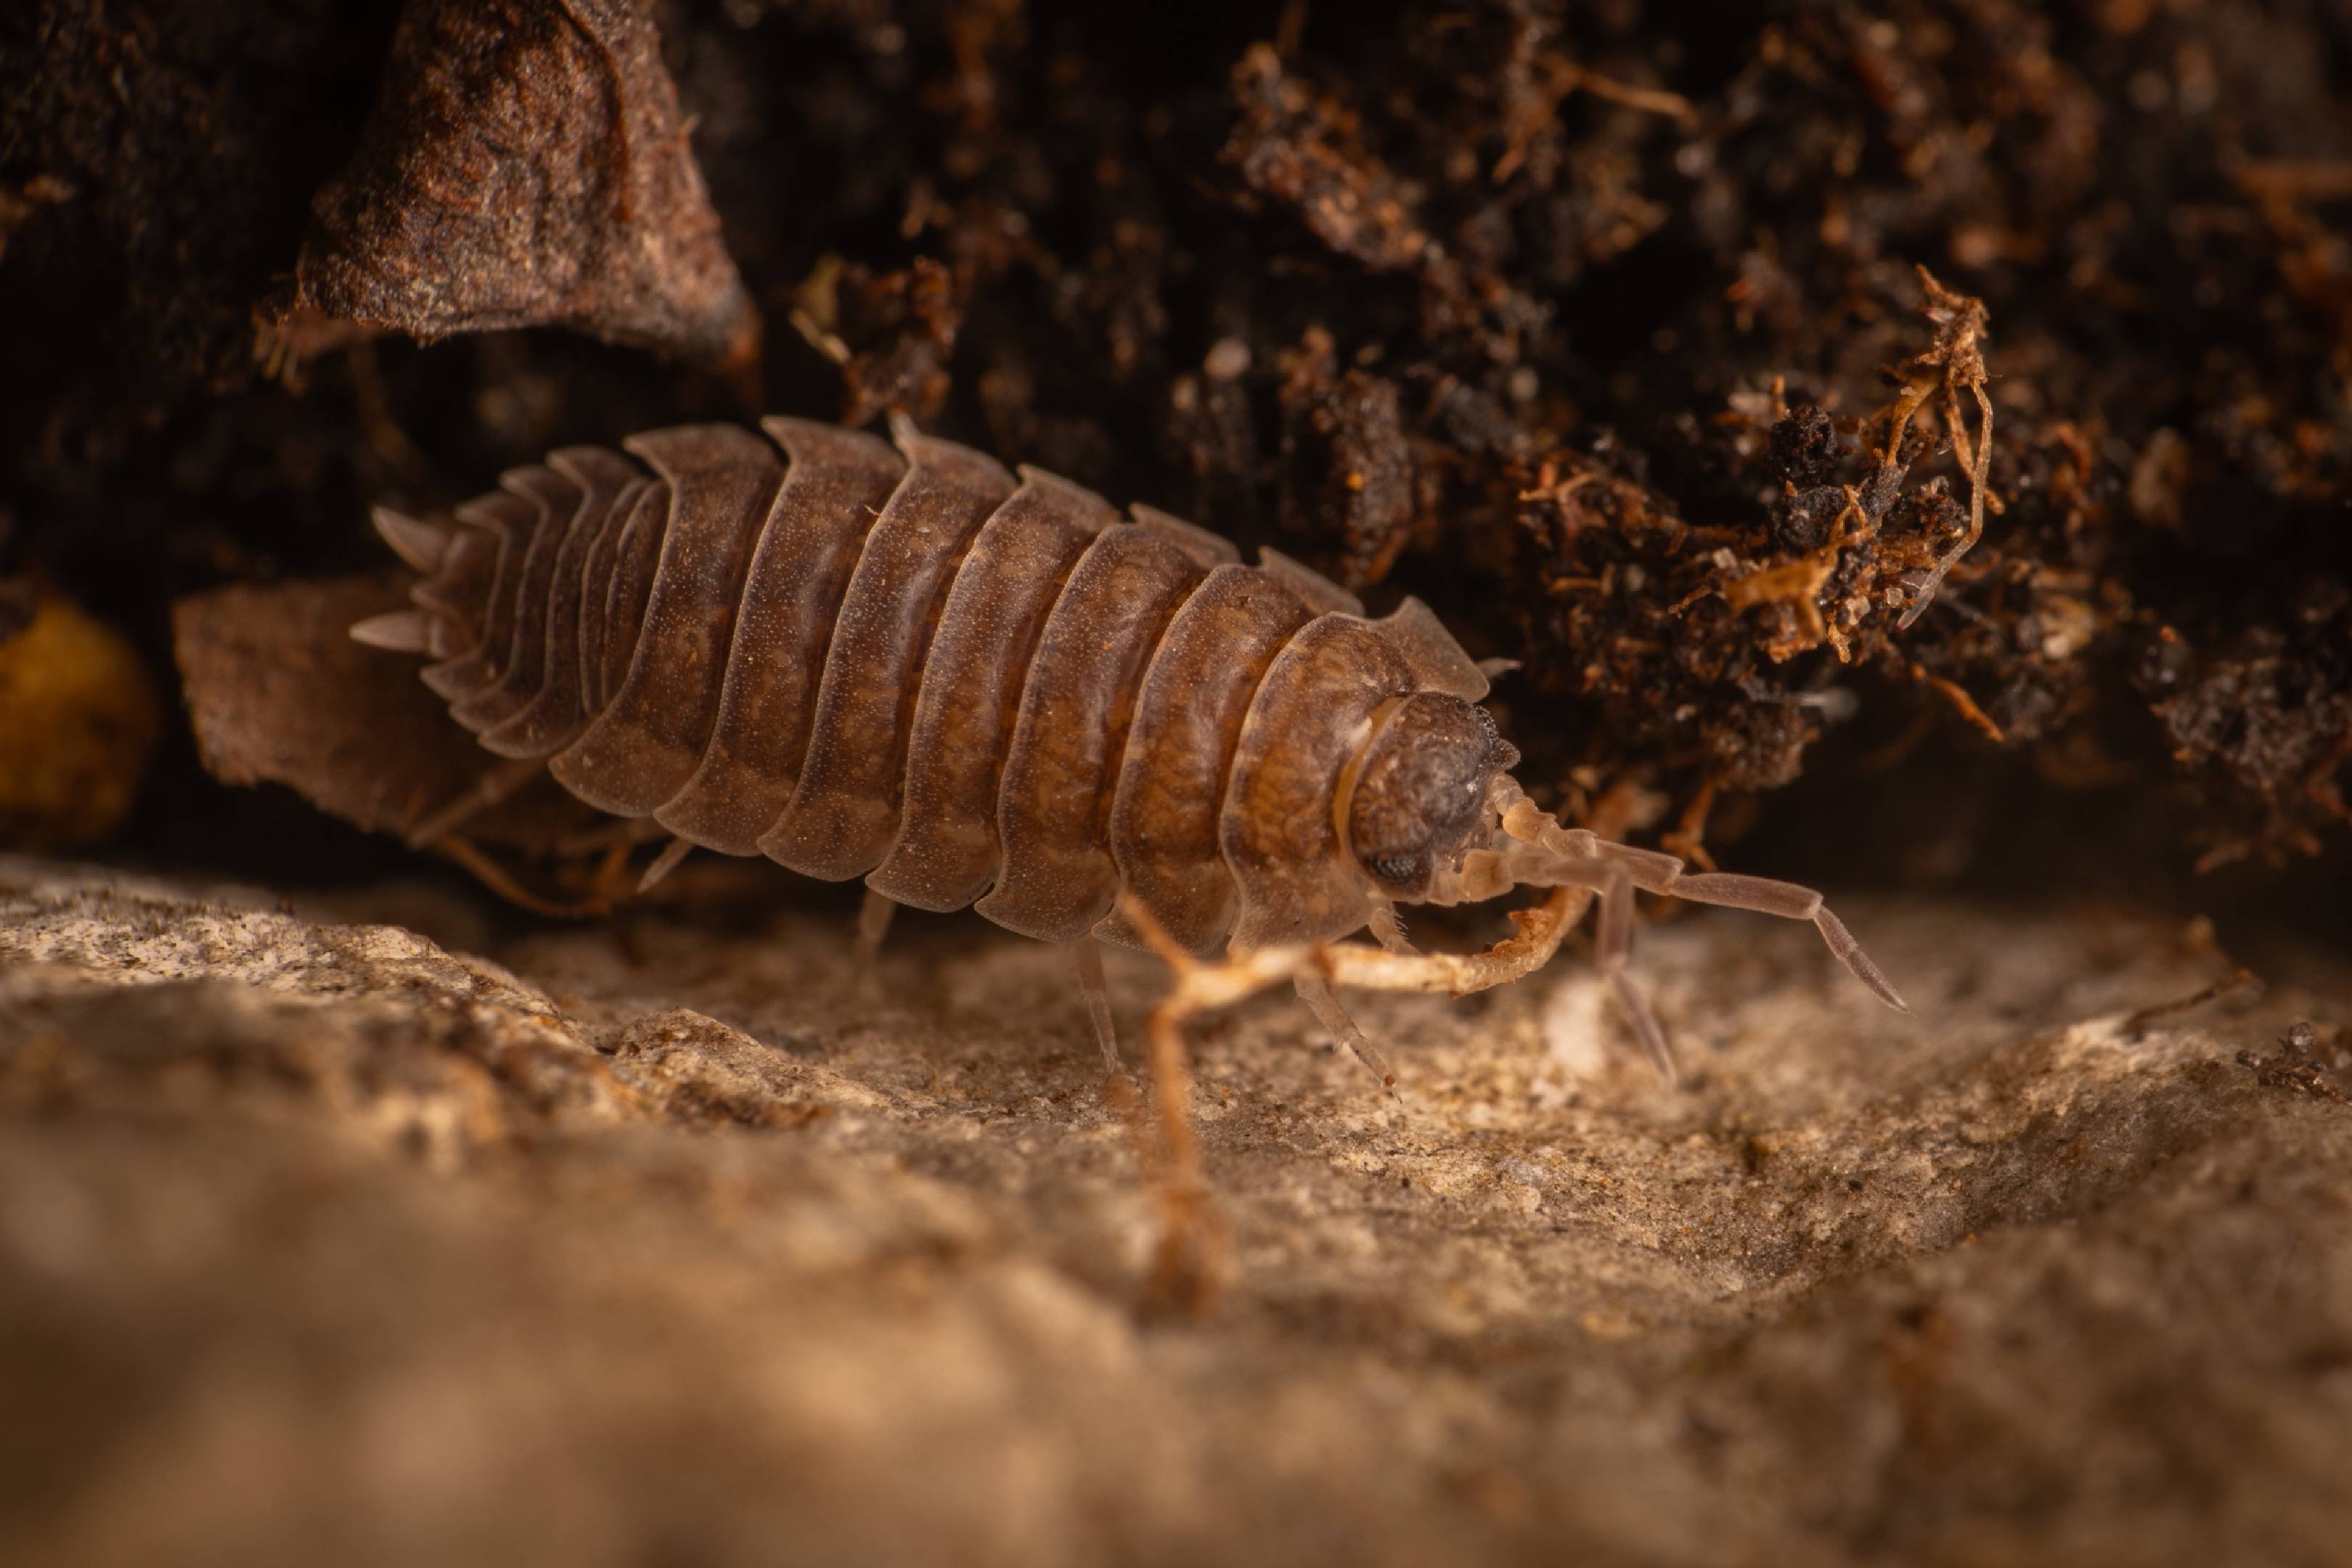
(499, 523)
(635, 560)
(948, 853)
(457, 593)
(1276, 828)
(1052, 810)
(836, 485)
(845, 814)
(907, 664)
(650, 737)
(1171, 783)
(552, 718)
(555, 504)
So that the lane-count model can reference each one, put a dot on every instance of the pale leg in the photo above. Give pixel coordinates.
(1086, 953)
(1388, 930)
(1315, 992)
(664, 864)
(1189, 1262)
(1614, 948)
(872, 925)
(489, 790)
(1188, 1265)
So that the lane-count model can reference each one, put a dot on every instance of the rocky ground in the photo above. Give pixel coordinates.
(671, 1240)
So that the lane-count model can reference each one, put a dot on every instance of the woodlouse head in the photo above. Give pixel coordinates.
(1419, 791)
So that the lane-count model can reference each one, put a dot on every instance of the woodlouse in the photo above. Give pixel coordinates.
(977, 688)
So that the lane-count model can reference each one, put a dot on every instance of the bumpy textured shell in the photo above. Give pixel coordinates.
(907, 664)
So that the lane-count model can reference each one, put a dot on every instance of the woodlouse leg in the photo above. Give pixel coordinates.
(624, 833)
(499, 880)
(1388, 930)
(1615, 954)
(489, 790)
(872, 925)
(1614, 949)
(1315, 992)
(1086, 953)
(610, 881)
(664, 863)
(1188, 1265)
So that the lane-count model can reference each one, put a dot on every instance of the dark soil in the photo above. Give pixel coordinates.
(1590, 324)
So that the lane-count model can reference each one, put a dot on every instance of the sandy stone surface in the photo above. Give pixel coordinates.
(668, 1241)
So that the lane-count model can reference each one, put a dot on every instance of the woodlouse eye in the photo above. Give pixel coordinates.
(1422, 791)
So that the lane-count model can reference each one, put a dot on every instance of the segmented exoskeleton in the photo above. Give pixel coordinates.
(976, 687)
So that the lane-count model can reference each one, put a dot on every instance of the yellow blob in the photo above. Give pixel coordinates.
(79, 720)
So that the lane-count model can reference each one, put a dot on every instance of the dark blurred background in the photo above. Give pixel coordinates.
(1571, 319)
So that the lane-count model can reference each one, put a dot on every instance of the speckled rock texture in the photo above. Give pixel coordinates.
(672, 1240)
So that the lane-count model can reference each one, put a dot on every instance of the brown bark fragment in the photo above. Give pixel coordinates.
(279, 693)
(528, 165)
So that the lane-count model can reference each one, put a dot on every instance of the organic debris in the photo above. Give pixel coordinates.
(528, 165)
(279, 693)
(1605, 330)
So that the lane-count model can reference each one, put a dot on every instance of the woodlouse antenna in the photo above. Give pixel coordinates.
(1534, 849)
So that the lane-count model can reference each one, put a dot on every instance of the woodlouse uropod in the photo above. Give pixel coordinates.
(976, 687)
